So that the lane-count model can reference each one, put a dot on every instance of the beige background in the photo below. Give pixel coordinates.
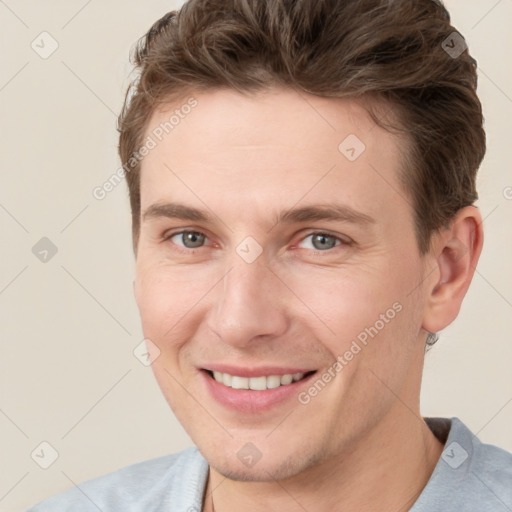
(67, 372)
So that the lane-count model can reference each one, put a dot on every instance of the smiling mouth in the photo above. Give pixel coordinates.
(260, 383)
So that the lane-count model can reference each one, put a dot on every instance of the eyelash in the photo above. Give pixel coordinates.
(186, 250)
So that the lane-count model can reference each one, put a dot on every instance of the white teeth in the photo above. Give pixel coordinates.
(226, 379)
(256, 383)
(239, 382)
(274, 381)
(286, 379)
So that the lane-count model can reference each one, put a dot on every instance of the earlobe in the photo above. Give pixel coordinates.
(458, 249)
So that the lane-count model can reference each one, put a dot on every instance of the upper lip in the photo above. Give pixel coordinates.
(259, 371)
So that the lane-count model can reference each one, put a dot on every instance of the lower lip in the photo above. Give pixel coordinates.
(251, 401)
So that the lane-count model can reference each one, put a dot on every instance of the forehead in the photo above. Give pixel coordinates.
(225, 118)
(271, 150)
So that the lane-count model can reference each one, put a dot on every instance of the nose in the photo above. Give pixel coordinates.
(249, 305)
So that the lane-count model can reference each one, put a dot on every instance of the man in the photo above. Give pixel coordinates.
(302, 184)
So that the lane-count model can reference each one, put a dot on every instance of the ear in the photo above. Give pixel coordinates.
(456, 250)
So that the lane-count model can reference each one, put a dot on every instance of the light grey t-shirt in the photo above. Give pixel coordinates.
(469, 476)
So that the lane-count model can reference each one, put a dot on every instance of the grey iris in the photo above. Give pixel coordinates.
(191, 239)
(321, 241)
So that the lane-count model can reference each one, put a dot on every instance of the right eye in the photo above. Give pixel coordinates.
(187, 239)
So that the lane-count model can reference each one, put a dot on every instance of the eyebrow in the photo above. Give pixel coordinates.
(303, 214)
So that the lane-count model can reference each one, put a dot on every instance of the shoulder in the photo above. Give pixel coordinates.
(486, 462)
(469, 476)
(493, 467)
(177, 479)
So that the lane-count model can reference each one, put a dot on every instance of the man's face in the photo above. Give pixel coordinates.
(258, 290)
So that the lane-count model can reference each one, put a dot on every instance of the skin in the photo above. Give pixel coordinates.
(244, 160)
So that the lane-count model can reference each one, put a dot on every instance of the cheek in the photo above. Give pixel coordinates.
(368, 307)
(168, 299)
(339, 303)
(166, 292)
(169, 303)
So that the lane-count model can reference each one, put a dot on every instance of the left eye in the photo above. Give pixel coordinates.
(321, 241)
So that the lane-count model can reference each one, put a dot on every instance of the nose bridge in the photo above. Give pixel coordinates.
(247, 303)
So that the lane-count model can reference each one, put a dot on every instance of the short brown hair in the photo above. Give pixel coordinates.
(397, 51)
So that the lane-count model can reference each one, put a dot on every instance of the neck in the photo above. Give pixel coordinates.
(386, 470)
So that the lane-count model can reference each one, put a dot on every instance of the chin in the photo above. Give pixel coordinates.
(265, 469)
